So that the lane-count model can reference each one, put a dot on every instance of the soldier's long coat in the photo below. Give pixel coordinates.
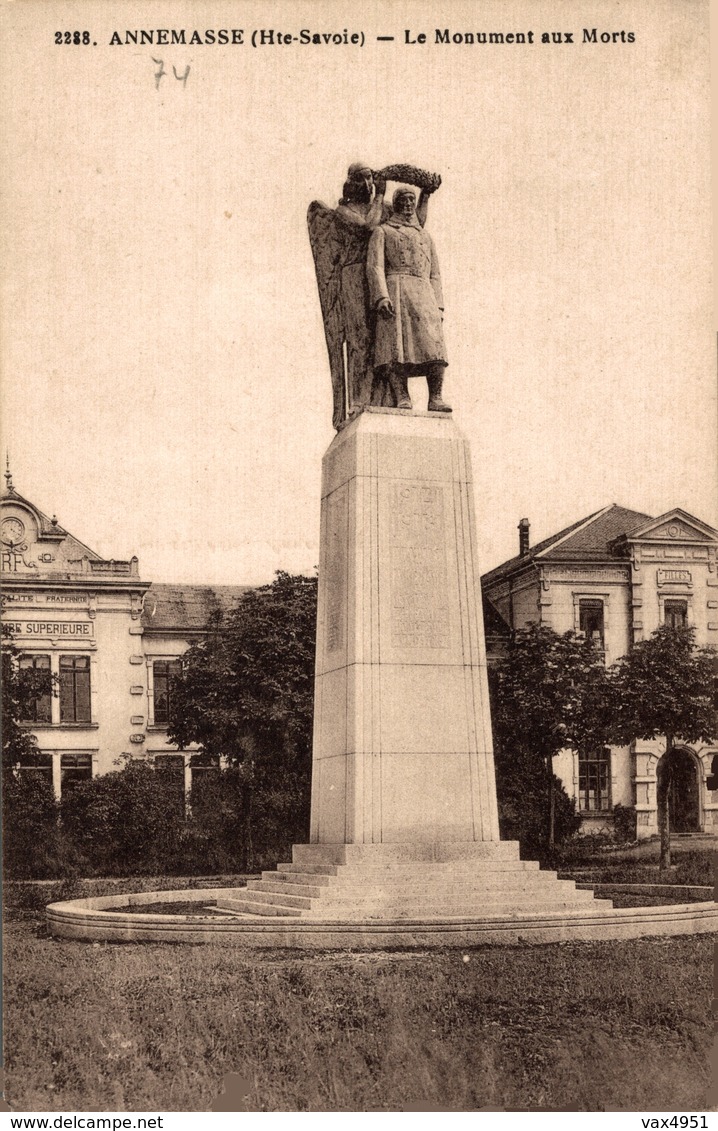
(402, 267)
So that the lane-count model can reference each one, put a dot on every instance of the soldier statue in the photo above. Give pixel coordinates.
(405, 292)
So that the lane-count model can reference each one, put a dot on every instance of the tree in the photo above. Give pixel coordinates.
(523, 810)
(124, 823)
(21, 688)
(246, 693)
(549, 693)
(31, 835)
(664, 688)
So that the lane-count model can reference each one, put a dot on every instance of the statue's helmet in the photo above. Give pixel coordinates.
(403, 190)
(359, 185)
(358, 172)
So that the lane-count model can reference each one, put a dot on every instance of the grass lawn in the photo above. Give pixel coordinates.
(583, 1026)
(690, 865)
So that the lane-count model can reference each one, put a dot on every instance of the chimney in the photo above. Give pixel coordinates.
(524, 536)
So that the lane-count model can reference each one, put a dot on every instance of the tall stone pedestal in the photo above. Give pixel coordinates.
(402, 736)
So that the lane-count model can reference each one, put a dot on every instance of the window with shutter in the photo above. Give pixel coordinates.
(675, 614)
(75, 689)
(590, 620)
(74, 768)
(164, 672)
(594, 779)
(39, 710)
(37, 765)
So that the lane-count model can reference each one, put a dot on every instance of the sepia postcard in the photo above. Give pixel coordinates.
(178, 350)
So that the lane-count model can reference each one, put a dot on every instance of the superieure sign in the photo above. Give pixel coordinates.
(69, 628)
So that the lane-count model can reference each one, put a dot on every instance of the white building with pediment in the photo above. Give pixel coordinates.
(111, 640)
(616, 576)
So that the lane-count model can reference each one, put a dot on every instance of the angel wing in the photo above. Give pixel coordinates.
(328, 249)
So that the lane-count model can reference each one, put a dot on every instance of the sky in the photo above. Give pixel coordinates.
(166, 388)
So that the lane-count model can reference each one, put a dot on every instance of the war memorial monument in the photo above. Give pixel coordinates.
(404, 846)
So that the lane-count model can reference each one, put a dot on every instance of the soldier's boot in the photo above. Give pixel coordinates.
(397, 380)
(435, 380)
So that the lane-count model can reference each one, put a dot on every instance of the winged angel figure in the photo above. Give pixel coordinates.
(339, 238)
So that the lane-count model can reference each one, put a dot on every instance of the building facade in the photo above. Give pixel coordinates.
(111, 640)
(615, 576)
(113, 643)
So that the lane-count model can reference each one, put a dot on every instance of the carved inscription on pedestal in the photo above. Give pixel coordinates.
(419, 604)
(336, 570)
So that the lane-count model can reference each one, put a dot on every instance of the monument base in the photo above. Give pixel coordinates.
(416, 881)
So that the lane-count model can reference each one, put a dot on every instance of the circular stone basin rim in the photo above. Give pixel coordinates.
(96, 918)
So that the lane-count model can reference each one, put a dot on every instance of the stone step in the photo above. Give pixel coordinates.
(516, 914)
(461, 905)
(490, 879)
(418, 875)
(314, 879)
(294, 885)
(418, 852)
(279, 893)
(440, 871)
(501, 870)
(291, 891)
(226, 911)
(461, 900)
(256, 907)
(315, 869)
(441, 910)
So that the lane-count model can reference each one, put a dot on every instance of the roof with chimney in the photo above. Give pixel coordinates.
(591, 539)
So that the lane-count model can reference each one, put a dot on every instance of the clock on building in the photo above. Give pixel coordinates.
(12, 531)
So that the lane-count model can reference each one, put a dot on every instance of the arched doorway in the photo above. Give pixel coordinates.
(683, 797)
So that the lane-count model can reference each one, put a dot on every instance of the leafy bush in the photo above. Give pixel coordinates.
(521, 788)
(124, 822)
(32, 842)
(624, 823)
(236, 826)
(132, 822)
(213, 837)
